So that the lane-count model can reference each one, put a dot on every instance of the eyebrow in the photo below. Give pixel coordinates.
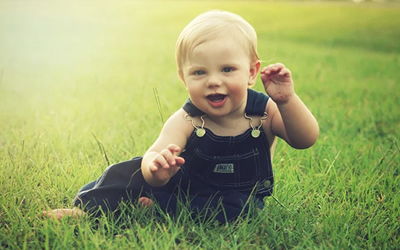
(195, 67)
(198, 66)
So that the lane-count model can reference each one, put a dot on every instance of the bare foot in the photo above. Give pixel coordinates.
(146, 202)
(60, 213)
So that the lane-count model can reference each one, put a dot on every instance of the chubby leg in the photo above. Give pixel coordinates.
(77, 213)
(122, 182)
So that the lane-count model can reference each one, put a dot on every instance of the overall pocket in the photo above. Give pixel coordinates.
(240, 171)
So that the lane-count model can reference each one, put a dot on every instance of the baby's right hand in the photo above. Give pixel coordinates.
(166, 164)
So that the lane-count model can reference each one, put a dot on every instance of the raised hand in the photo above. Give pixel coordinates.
(278, 83)
(166, 164)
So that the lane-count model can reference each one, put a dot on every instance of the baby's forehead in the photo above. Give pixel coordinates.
(222, 42)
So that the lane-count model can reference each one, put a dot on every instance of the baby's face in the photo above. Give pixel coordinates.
(217, 74)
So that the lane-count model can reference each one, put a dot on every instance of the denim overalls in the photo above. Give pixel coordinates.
(224, 172)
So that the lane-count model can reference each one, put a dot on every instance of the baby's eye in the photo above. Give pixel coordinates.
(199, 72)
(227, 69)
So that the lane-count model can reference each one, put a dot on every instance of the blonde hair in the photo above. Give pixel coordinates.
(208, 26)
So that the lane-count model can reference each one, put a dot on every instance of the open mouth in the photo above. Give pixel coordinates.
(216, 98)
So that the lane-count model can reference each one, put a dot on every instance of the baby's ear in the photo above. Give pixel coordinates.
(254, 68)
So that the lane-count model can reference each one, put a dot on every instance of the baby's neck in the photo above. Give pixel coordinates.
(227, 126)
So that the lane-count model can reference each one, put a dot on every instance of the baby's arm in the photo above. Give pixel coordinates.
(290, 118)
(162, 161)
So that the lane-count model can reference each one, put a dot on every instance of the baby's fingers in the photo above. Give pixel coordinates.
(153, 167)
(158, 162)
(173, 148)
(169, 156)
(285, 72)
(273, 69)
(179, 161)
(166, 158)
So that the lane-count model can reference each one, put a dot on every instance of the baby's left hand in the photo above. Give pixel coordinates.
(278, 83)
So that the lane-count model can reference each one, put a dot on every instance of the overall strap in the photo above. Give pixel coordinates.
(191, 109)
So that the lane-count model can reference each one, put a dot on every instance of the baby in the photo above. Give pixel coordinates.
(215, 153)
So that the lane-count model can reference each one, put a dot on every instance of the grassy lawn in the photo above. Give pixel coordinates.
(78, 87)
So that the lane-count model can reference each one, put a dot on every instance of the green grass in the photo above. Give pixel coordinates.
(71, 72)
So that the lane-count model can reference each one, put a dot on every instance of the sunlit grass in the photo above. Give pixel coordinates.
(76, 75)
